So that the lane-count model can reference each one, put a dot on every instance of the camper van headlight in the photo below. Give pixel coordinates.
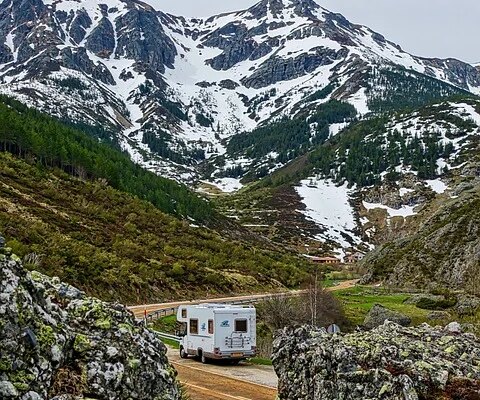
(216, 350)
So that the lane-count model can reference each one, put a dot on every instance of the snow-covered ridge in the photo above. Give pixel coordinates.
(173, 89)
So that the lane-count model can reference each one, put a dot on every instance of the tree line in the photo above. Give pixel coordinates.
(48, 142)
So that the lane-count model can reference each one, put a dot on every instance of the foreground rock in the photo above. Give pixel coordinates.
(390, 363)
(379, 314)
(57, 343)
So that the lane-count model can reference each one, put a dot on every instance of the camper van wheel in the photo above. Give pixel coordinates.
(203, 359)
(183, 353)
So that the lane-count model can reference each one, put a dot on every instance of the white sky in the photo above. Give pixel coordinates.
(430, 28)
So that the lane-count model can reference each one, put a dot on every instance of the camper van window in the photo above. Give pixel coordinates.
(240, 325)
(184, 313)
(210, 326)
(194, 326)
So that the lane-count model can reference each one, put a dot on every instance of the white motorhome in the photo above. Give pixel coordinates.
(217, 331)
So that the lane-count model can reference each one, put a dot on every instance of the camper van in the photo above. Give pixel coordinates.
(217, 331)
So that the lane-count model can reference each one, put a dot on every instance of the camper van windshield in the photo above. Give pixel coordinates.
(240, 325)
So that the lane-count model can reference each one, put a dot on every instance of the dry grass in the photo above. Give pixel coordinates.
(67, 380)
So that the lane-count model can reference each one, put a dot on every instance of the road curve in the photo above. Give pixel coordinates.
(140, 310)
(208, 382)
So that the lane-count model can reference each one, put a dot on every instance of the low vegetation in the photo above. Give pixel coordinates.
(358, 301)
(118, 247)
(448, 237)
(315, 307)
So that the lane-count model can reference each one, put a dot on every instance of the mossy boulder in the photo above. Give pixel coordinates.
(390, 362)
(55, 342)
(378, 314)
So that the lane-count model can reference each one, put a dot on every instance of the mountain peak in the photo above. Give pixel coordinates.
(304, 8)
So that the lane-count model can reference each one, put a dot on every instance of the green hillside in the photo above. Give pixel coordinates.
(118, 247)
(444, 249)
(35, 136)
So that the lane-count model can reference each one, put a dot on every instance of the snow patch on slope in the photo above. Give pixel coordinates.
(329, 206)
(437, 186)
(227, 185)
(404, 211)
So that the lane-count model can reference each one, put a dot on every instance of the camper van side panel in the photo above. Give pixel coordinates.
(201, 340)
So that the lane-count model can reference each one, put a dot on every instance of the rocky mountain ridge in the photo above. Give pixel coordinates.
(173, 90)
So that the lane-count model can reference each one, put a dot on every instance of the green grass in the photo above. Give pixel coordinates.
(171, 343)
(259, 361)
(166, 324)
(359, 300)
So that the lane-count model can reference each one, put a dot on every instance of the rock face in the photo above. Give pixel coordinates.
(444, 251)
(57, 343)
(391, 362)
(379, 314)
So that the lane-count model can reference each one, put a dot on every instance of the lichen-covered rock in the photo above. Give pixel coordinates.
(378, 314)
(439, 315)
(55, 342)
(390, 362)
(467, 304)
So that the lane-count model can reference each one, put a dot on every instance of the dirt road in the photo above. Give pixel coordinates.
(207, 386)
(224, 382)
(139, 311)
(262, 375)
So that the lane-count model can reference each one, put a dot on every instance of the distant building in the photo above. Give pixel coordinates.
(325, 260)
(354, 258)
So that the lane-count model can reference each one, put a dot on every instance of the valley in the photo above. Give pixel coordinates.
(155, 160)
(271, 97)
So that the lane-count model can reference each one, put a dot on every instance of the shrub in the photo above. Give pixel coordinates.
(427, 303)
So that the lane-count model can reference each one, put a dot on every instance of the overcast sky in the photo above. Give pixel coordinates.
(430, 28)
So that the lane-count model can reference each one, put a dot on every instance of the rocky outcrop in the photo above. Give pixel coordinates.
(57, 343)
(102, 39)
(379, 314)
(278, 69)
(444, 251)
(141, 37)
(467, 304)
(459, 73)
(390, 363)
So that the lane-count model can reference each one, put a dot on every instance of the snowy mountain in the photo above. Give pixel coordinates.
(370, 182)
(173, 91)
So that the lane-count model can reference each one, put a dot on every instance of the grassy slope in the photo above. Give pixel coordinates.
(118, 247)
(359, 300)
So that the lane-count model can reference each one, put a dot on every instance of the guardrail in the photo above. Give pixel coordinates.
(164, 312)
(168, 336)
